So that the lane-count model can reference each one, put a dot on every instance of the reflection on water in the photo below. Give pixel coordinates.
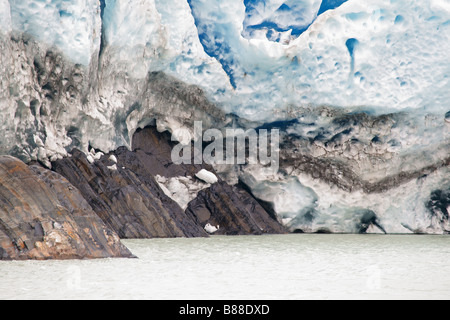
(268, 267)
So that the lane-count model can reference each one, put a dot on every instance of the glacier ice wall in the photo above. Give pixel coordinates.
(5, 16)
(400, 56)
(338, 169)
(88, 74)
(308, 204)
(73, 26)
(270, 19)
(383, 56)
(282, 21)
(364, 87)
(41, 88)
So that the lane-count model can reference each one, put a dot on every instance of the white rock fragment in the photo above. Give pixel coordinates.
(57, 225)
(211, 229)
(207, 176)
(38, 142)
(113, 158)
(90, 158)
(166, 191)
(113, 167)
(98, 155)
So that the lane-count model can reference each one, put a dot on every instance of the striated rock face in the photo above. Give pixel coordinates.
(233, 210)
(143, 194)
(83, 207)
(42, 216)
(127, 197)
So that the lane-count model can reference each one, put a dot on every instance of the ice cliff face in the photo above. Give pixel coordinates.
(71, 78)
(387, 55)
(360, 89)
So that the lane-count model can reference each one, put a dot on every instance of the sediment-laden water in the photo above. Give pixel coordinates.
(268, 267)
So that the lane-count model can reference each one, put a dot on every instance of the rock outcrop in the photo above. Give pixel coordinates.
(122, 189)
(88, 203)
(233, 211)
(155, 150)
(43, 216)
(126, 196)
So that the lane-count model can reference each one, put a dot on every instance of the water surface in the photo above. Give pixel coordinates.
(251, 268)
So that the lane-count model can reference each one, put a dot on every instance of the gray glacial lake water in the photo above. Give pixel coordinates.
(288, 267)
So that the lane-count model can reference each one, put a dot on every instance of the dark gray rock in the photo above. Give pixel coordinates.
(234, 210)
(154, 149)
(127, 199)
(369, 218)
(439, 205)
